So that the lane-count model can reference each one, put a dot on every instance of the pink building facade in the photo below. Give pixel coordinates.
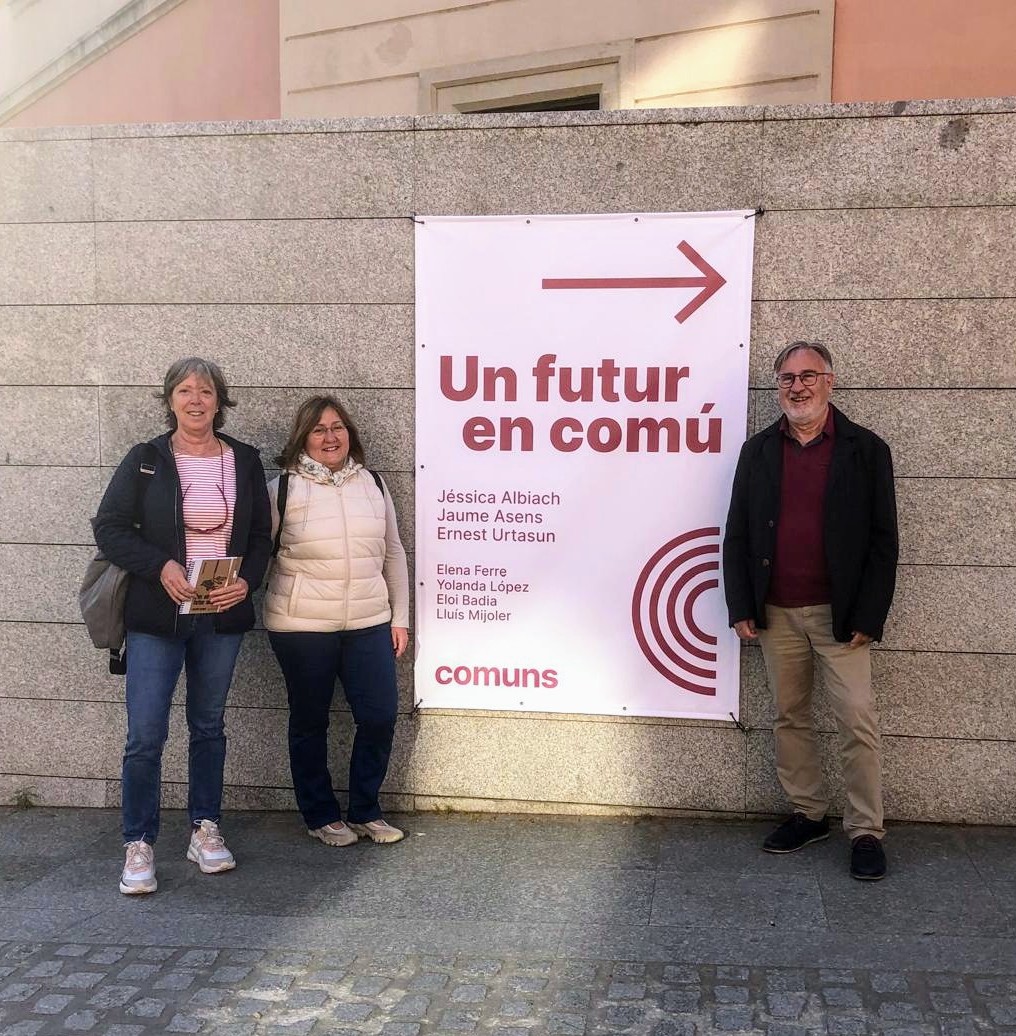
(202, 61)
(212, 60)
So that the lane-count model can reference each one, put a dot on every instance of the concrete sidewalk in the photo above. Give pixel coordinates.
(507, 925)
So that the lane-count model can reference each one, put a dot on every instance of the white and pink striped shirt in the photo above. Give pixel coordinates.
(209, 499)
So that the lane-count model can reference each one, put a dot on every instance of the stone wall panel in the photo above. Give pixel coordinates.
(929, 694)
(45, 181)
(954, 781)
(270, 176)
(563, 760)
(886, 253)
(48, 425)
(254, 261)
(898, 343)
(938, 608)
(27, 511)
(40, 583)
(57, 791)
(56, 662)
(46, 263)
(958, 433)
(661, 168)
(90, 736)
(860, 163)
(957, 521)
(260, 345)
(68, 334)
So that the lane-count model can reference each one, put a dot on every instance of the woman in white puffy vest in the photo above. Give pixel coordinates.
(337, 607)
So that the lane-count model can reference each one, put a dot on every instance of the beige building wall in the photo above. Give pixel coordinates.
(413, 57)
(36, 34)
(285, 252)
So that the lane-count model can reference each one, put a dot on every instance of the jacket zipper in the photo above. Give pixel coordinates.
(345, 534)
(230, 549)
(181, 546)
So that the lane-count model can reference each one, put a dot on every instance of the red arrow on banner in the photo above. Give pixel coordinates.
(710, 282)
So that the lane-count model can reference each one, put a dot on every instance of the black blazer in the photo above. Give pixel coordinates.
(859, 531)
(143, 552)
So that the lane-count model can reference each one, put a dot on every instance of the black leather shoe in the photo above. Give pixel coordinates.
(867, 859)
(796, 833)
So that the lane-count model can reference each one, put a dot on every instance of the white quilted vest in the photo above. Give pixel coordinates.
(327, 575)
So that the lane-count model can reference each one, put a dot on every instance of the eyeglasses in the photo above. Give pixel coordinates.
(807, 378)
(321, 431)
(210, 528)
(222, 492)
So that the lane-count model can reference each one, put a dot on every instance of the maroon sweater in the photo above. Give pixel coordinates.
(799, 567)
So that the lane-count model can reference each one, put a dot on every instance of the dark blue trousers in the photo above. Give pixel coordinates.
(153, 666)
(364, 662)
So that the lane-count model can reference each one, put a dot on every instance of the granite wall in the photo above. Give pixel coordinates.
(285, 252)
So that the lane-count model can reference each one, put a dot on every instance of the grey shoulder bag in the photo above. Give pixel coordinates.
(104, 587)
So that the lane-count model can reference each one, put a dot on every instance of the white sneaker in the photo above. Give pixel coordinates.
(334, 834)
(138, 875)
(378, 831)
(208, 849)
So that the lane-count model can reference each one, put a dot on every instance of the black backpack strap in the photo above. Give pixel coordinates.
(283, 495)
(379, 483)
(280, 503)
(146, 469)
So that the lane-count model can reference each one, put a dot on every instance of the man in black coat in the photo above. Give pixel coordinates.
(809, 566)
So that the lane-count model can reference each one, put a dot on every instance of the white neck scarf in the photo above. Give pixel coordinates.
(317, 472)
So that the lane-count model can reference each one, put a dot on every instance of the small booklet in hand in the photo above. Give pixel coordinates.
(206, 575)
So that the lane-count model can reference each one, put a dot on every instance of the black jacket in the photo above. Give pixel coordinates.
(860, 535)
(143, 552)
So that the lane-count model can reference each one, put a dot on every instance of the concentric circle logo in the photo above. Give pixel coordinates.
(663, 610)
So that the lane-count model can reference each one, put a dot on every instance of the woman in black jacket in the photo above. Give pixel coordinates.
(205, 496)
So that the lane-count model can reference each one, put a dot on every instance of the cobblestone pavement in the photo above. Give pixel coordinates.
(505, 925)
(119, 991)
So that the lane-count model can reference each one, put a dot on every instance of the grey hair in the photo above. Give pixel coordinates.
(181, 370)
(794, 347)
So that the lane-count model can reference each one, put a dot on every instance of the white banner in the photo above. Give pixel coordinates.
(581, 396)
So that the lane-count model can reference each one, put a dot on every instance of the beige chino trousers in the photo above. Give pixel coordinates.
(795, 640)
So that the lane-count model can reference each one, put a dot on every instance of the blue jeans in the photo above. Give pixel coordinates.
(363, 660)
(153, 667)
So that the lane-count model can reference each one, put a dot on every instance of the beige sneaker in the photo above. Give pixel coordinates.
(378, 831)
(138, 874)
(208, 849)
(334, 834)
